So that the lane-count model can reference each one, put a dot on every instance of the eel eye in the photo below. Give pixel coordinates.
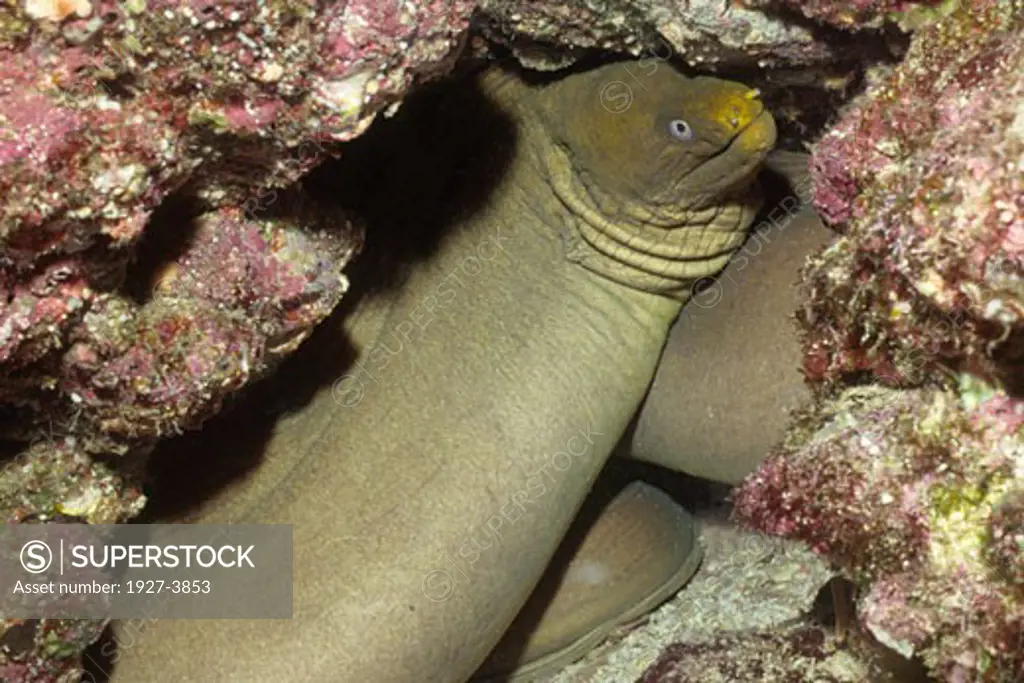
(680, 130)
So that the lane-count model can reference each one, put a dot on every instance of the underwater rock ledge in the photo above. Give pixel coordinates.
(865, 14)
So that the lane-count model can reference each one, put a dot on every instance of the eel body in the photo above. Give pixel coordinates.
(522, 349)
(730, 376)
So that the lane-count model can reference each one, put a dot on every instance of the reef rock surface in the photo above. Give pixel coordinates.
(106, 109)
(702, 33)
(909, 475)
(862, 14)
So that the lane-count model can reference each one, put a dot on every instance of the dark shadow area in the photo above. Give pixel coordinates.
(409, 179)
(413, 176)
(783, 176)
(121, 87)
(1009, 359)
(834, 608)
(167, 237)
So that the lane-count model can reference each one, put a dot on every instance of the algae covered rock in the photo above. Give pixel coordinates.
(108, 109)
(902, 490)
(865, 14)
(702, 33)
(924, 176)
(908, 473)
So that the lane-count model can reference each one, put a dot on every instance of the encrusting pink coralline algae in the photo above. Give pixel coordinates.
(909, 475)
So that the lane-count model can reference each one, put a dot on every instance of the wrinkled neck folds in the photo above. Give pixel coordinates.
(661, 249)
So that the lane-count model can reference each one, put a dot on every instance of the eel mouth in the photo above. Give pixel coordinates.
(758, 137)
(737, 164)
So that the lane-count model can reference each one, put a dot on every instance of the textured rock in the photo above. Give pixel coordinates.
(860, 14)
(106, 109)
(914, 494)
(924, 175)
(790, 656)
(60, 639)
(53, 479)
(240, 293)
(702, 33)
(915, 490)
(243, 293)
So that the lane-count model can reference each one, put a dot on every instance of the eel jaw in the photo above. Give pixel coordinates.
(723, 175)
(758, 138)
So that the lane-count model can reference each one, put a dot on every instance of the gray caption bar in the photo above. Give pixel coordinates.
(153, 571)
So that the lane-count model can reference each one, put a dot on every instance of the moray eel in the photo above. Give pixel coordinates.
(626, 184)
(728, 379)
(730, 373)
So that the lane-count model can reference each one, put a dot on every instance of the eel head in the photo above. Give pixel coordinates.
(657, 137)
(658, 169)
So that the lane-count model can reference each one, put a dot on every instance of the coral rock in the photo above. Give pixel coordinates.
(860, 14)
(804, 653)
(244, 293)
(107, 112)
(924, 176)
(913, 494)
(700, 32)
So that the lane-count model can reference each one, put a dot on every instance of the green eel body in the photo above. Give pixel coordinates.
(729, 377)
(528, 341)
